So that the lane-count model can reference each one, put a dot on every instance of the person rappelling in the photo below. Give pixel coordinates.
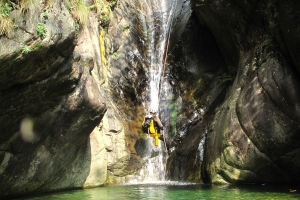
(153, 126)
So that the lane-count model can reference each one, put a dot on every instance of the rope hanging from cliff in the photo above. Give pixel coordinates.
(165, 58)
(167, 46)
(163, 71)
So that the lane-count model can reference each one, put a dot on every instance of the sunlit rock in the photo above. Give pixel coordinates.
(26, 130)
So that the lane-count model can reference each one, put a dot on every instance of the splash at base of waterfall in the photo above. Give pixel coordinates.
(154, 170)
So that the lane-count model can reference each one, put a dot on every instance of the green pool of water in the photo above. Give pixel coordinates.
(176, 191)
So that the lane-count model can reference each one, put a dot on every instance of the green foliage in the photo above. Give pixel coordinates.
(13, 5)
(227, 78)
(99, 5)
(45, 15)
(77, 27)
(174, 116)
(115, 55)
(104, 17)
(37, 47)
(80, 11)
(6, 23)
(6, 6)
(25, 49)
(126, 28)
(41, 30)
(5, 10)
(68, 5)
(113, 4)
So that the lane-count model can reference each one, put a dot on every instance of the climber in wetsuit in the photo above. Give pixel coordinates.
(153, 120)
(157, 123)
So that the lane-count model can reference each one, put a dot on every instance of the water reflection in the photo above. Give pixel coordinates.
(178, 191)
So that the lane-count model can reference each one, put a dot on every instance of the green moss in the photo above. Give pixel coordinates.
(227, 78)
(174, 116)
(126, 28)
(144, 136)
(37, 47)
(86, 64)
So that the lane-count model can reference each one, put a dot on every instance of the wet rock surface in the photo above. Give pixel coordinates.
(255, 130)
(71, 109)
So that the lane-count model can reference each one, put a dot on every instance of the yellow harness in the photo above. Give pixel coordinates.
(153, 132)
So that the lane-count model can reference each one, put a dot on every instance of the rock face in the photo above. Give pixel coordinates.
(253, 134)
(50, 103)
(197, 91)
(72, 102)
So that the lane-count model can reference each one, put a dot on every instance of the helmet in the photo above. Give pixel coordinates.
(153, 110)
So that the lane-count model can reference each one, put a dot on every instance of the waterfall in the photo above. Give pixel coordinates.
(162, 13)
(154, 21)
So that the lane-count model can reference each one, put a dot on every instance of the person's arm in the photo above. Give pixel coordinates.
(158, 121)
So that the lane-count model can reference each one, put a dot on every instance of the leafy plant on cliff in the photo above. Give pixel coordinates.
(113, 4)
(45, 15)
(5, 10)
(115, 55)
(6, 6)
(41, 30)
(25, 49)
(6, 23)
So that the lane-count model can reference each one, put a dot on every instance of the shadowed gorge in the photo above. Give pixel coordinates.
(74, 92)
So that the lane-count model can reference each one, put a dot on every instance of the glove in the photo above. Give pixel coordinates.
(147, 122)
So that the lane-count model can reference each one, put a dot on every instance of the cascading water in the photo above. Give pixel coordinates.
(163, 12)
(155, 19)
